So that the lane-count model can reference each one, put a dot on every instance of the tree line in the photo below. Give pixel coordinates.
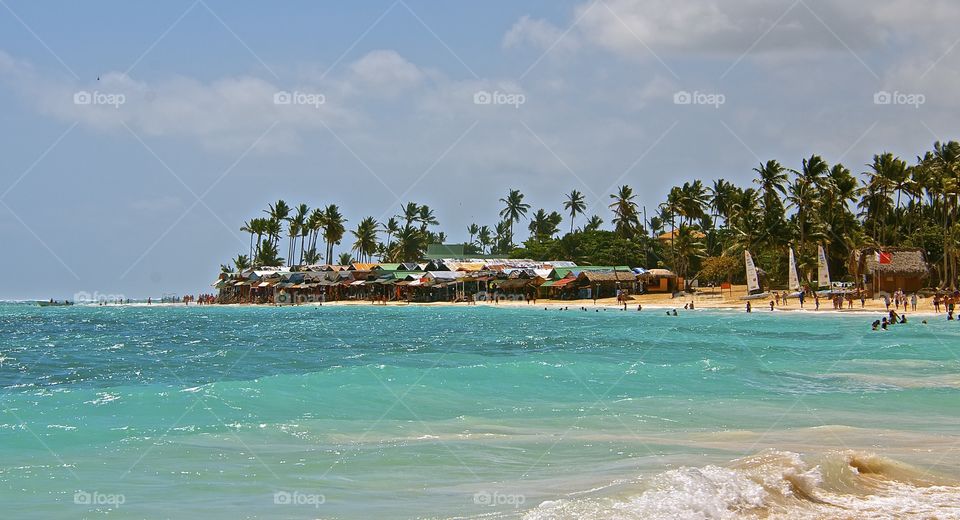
(699, 229)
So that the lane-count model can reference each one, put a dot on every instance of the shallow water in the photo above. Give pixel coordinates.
(440, 412)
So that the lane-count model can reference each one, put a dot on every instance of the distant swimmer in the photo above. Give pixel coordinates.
(903, 318)
(674, 312)
(691, 306)
(875, 324)
(686, 306)
(639, 308)
(883, 324)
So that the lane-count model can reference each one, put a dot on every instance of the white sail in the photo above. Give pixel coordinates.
(794, 280)
(823, 273)
(753, 282)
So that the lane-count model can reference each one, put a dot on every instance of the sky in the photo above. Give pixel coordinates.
(137, 137)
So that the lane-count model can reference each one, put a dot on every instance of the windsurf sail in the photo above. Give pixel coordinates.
(753, 282)
(823, 272)
(794, 279)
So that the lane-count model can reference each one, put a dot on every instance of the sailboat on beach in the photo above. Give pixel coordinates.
(823, 273)
(753, 280)
(794, 280)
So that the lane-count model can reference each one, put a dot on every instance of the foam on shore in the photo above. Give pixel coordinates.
(776, 484)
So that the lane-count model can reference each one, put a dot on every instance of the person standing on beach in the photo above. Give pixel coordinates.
(771, 305)
(802, 296)
(913, 302)
(748, 307)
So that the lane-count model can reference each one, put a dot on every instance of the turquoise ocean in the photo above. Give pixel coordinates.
(362, 412)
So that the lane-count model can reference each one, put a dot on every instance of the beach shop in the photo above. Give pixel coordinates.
(887, 269)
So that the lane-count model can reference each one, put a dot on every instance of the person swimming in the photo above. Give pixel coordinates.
(875, 324)
(883, 324)
(903, 318)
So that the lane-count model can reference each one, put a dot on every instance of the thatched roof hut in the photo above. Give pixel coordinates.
(890, 268)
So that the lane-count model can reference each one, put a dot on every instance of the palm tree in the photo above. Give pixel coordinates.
(472, 230)
(485, 238)
(721, 199)
(391, 228)
(241, 262)
(514, 209)
(410, 246)
(575, 204)
(333, 229)
(314, 225)
(247, 227)
(344, 259)
(298, 226)
(544, 226)
(626, 219)
(425, 217)
(593, 223)
(366, 238)
(411, 212)
(278, 213)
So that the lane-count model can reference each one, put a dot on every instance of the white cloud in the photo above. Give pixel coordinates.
(385, 72)
(730, 27)
(538, 33)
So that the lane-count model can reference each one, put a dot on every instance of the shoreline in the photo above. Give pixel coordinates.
(653, 302)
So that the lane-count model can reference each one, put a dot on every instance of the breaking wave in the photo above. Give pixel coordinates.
(774, 485)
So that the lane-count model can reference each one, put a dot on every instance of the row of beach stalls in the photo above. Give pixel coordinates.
(444, 280)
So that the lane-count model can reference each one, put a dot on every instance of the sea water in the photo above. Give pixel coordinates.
(449, 412)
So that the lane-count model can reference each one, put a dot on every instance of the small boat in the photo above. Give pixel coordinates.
(823, 273)
(54, 303)
(753, 281)
(794, 285)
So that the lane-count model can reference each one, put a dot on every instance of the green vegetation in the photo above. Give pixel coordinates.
(699, 230)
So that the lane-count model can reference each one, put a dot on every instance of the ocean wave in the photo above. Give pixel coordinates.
(773, 485)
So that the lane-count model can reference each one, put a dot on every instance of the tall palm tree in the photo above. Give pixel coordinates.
(472, 230)
(333, 229)
(626, 217)
(411, 213)
(278, 213)
(426, 218)
(366, 238)
(514, 209)
(575, 204)
(247, 227)
(485, 238)
(391, 228)
(298, 228)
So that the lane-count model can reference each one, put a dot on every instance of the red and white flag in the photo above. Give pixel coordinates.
(884, 257)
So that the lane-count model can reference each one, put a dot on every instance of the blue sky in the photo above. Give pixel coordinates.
(146, 196)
